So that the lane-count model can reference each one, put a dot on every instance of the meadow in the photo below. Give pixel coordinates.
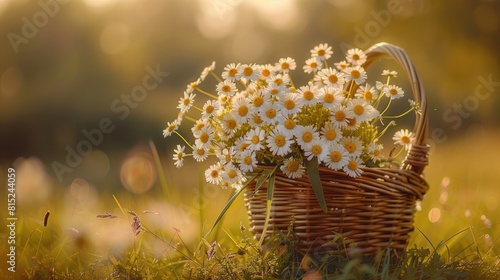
(165, 233)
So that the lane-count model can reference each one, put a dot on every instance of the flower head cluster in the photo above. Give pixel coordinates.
(257, 115)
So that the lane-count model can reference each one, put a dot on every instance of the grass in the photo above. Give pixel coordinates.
(168, 235)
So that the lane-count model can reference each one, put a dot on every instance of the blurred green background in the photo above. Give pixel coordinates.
(67, 65)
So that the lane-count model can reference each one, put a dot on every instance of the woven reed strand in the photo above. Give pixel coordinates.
(370, 212)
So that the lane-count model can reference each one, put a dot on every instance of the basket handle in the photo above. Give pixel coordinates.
(417, 157)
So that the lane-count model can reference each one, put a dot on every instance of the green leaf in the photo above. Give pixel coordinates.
(265, 174)
(270, 187)
(312, 168)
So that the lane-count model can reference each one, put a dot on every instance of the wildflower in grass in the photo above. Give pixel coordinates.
(171, 127)
(213, 174)
(306, 135)
(356, 56)
(178, 156)
(286, 64)
(353, 167)
(230, 72)
(367, 92)
(322, 51)
(278, 143)
(254, 139)
(312, 65)
(404, 137)
(353, 145)
(293, 168)
(186, 102)
(337, 157)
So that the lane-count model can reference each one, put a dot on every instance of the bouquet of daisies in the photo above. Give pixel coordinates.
(256, 115)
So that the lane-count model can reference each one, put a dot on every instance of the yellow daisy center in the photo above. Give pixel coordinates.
(231, 124)
(285, 65)
(352, 165)
(226, 88)
(280, 140)
(330, 135)
(321, 52)
(200, 152)
(333, 79)
(351, 122)
(376, 153)
(335, 156)
(204, 137)
(248, 71)
(308, 95)
(278, 81)
(255, 140)
(368, 95)
(292, 166)
(355, 56)
(355, 74)
(289, 104)
(242, 111)
(257, 119)
(258, 101)
(329, 98)
(232, 72)
(209, 109)
(271, 113)
(274, 91)
(289, 124)
(266, 72)
(340, 116)
(171, 127)
(313, 65)
(186, 101)
(307, 137)
(199, 126)
(248, 160)
(405, 139)
(359, 109)
(393, 91)
(350, 147)
(316, 150)
(180, 155)
(232, 174)
(214, 174)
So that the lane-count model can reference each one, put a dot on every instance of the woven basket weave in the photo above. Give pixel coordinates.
(371, 212)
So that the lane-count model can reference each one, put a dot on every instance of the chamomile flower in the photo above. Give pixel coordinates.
(356, 74)
(229, 124)
(193, 85)
(404, 137)
(337, 157)
(394, 92)
(306, 135)
(307, 95)
(322, 51)
(213, 174)
(200, 154)
(230, 72)
(232, 174)
(330, 77)
(312, 65)
(367, 92)
(179, 156)
(270, 114)
(254, 139)
(356, 56)
(207, 71)
(171, 127)
(330, 97)
(186, 102)
(200, 123)
(273, 92)
(257, 99)
(225, 155)
(289, 103)
(240, 145)
(286, 64)
(389, 73)
(255, 120)
(204, 137)
(226, 87)
(339, 117)
(353, 145)
(248, 72)
(360, 110)
(210, 108)
(293, 168)
(375, 152)
(267, 71)
(280, 80)
(318, 148)
(278, 143)
(247, 161)
(241, 110)
(353, 167)
(330, 133)
(289, 126)
(341, 65)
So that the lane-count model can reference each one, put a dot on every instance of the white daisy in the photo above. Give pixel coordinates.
(225, 155)
(248, 72)
(375, 152)
(289, 126)
(305, 136)
(213, 174)
(307, 95)
(179, 156)
(273, 92)
(278, 143)
(257, 99)
(254, 139)
(389, 73)
(240, 145)
(330, 133)
(231, 174)
(230, 72)
(241, 110)
(356, 56)
(280, 80)
(171, 127)
(339, 117)
(318, 148)
(200, 154)
(186, 102)
(293, 168)
(362, 111)
(356, 74)
(207, 70)
(404, 137)
(289, 103)
(341, 65)
(394, 92)
(313, 64)
(337, 157)
(193, 85)
(270, 114)
(286, 64)
(226, 87)
(204, 137)
(331, 97)
(229, 124)
(210, 108)
(330, 77)
(322, 51)
(200, 123)
(367, 92)
(247, 161)
(353, 167)
(353, 145)
(267, 71)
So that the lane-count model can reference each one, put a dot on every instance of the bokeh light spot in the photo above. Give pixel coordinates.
(138, 173)
(79, 190)
(434, 215)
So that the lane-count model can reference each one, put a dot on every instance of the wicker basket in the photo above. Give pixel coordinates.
(371, 212)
